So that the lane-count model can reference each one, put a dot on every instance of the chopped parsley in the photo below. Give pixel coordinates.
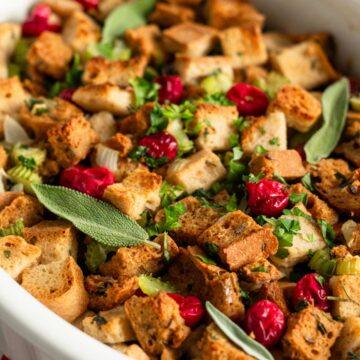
(260, 150)
(29, 163)
(327, 232)
(352, 356)
(306, 181)
(254, 179)
(320, 280)
(301, 305)
(144, 90)
(241, 124)
(260, 269)
(212, 250)
(169, 193)
(206, 260)
(99, 320)
(296, 198)
(7, 254)
(279, 178)
(232, 203)
(140, 153)
(275, 141)
(235, 168)
(218, 99)
(344, 181)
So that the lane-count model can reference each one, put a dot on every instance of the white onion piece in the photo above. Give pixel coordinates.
(106, 157)
(17, 188)
(14, 132)
(3, 178)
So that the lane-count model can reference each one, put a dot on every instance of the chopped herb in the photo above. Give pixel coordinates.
(321, 327)
(254, 179)
(241, 124)
(260, 269)
(32, 102)
(306, 181)
(140, 153)
(144, 91)
(262, 131)
(309, 237)
(327, 232)
(234, 140)
(260, 150)
(29, 163)
(218, 99)
(352, 356)
(166, 250)
(279, 178)
(245, 297)
(235, 168)
(39, 109)
(212, 250)
(344, 180)
(99, 320)
(275, 141)
(320, 280)
(301, 305)
(296, 198)
(206, 260)
(7, 253)
(231, 204)
(169, 193)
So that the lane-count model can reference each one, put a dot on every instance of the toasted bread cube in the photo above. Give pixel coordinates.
(63, 8)
(79, 31)
(107, 97)
(138, 122)
(268, 131)
(245, 45)
(9, 35)
(276, 41)
(56, 239)
(351, 232)
(239, 239)
(104, 124)
(192, 69)
(133, 351)
(137, 192)
(99, 71)
(190, 39)
(301, 109)
(350, 151)
(171, 14)
(273, 292)
(50, 55)
(323, 38)
(157, 322)
(3, 157)
(72, 141)
(191, 3)
(200, 170)
(59, 286)
(217, 126)
(260, 271)
(7, 197)
(310, 334)
(23, 207)
(16, 255)
(349, 340)
(286, 163)
(222, 14)
(346, 287)
(109, 327)
(121, 143)
(304, 64)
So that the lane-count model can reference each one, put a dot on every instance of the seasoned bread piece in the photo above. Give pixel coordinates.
(59, 286)
(191, 3)
(350, 151)
(137, 192)
(273, 292)
(138, 122)
(157, 322)
(9, 35)
(310, 334)
(133, 351)
(109, 327)
(50, 55)
(200, 170)
(167, 15)
(56, 239)
(63, 8)
(351, 232)
(260, 271)
(286, 163)
(276, 40)
(16, 255)
(104, 124)
(304, 64)
(301, 109)
(267, 131)
(3, 157)
(245, 45)
(121, 143)
(106, 97)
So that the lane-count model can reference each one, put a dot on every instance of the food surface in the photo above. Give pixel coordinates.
(181, 182)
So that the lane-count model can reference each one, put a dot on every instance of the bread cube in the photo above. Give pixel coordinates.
(16, 255)
(109, 327)
(133, 351)
(59, 286)
(301, 109)
(350, 151)
(268, 131)
(245, 45)
(199, 171)
(3, 157)
(157, 322)
(273, 292)
(56, 239)
(138, 122)
(50, 55)
(260, 271)
(63, 8)
(304, 64)
(191, 3)
(276, 41)
(121, 143)
(167, 15)
(9, 35)
(72, 141)
(137, 192)
(191, 69)
(104, 124)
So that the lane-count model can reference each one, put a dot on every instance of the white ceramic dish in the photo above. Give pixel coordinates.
(28, 330)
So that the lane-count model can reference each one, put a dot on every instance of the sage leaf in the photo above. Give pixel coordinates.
(335, 102)
(237, 335)
(126, 16)
(95, 218)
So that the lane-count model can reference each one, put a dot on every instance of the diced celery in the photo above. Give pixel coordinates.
(216, 83)
(150, 285)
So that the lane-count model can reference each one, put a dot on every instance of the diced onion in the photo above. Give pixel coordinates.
(3, 178)
(106, 157)
(14, 132)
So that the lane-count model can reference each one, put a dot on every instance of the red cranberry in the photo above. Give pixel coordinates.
(313, 290)
(90, 181)
(40, 19)
(267, 197)
(4, 358)
(249, 99)
(160, 145)
(89, 4)
(67, 94)
(191, 308)
(266, 320)
(171, 89)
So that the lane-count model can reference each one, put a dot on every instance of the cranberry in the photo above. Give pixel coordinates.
(89, 4)
(67, 94)
(160, 145)
(266, 320)
(191, 308)
(249, 99)
(90, 181)
(267, 197)
(313, 290)
(171, 89)
(4, 358)
(40, 19)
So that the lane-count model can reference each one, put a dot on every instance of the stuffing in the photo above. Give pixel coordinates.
(56, 239)
(63, 8)
(245, 45)
(191, 3)
(156, 322)
(286, 163)
(190, 39)
(351, 232)
(352, 126)
(121, 143)
(310, 334)
(50, 55)
(137, 192)
(323, 38)
(167, 15)
(200, 170)
(260, 271)
(106, 97)
(9, 35)
(192, 69)
(276, 41)
(138, 122)
(126, 167)
(267, 131)
(304, 64)
(109, 327)
(104, 124)
(239, 240)
(133, 351)
(301, 109)
(7, 197)
(72, 141)
(273, 292)
(3, 157)
(16, 255)
(59, 286)
(350, 151)
(216, 126)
